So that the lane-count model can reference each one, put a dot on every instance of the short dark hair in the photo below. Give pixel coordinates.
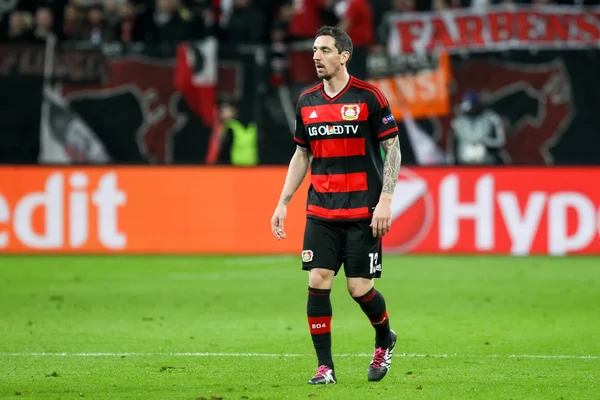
(342, 40)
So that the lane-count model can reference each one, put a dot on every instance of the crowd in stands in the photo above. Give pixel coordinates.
(233, 21)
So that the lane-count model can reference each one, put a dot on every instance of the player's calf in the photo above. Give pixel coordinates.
(373, 305)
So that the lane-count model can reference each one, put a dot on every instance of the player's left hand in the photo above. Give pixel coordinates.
(382, 217)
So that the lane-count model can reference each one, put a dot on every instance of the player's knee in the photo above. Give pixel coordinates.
(359, 286)
(320, 278)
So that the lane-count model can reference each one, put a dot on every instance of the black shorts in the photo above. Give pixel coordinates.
(328, 245)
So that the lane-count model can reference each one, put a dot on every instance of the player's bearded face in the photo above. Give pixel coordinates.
(328, 60)
(327, 73)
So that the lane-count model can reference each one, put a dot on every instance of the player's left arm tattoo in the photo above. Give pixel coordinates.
(391, 166)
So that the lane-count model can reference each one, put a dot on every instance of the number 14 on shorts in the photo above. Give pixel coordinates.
(374, 265)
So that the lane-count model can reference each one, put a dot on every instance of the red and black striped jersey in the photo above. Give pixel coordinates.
(344, 134)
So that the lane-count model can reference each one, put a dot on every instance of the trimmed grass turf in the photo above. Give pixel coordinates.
(464, 324)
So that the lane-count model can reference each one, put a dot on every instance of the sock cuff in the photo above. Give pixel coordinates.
(319, 292)
(365, 298)
(379, 320)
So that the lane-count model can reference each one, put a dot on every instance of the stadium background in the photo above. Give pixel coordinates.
(133, 129)
(205, 87)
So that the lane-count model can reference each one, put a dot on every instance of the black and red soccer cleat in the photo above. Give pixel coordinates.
(382, 359)
(324, 376)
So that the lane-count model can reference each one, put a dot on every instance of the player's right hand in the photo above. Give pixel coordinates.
(277, 222)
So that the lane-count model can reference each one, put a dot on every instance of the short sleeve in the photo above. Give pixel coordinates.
(299, 131)
(382, 119)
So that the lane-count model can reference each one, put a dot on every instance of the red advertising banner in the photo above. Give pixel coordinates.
(145, 210)
(516, 211)
(495, 29)
(199, 210)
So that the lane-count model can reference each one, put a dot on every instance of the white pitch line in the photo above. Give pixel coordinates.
(548, 356)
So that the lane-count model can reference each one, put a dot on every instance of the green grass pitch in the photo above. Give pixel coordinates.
(235, 328)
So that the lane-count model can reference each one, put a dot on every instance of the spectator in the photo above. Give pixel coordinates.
(398, 7)
(44, 23)
(85, 4)
(478, 134)
(379, 10)
(111, 12)
(96, 30)
(128, 29)
(441, 5)
(307, 16)
(19, 27)
(243, 24)
(72, 24)
(278, 59)
(170, 22)
(239, 143)
(356, 18)
(206, 15)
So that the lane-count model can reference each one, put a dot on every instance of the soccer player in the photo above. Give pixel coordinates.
(341, 126)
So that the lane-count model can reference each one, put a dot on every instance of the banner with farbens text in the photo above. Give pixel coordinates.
(496, 28)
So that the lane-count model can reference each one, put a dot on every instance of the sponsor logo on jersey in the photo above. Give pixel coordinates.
(388, 119)
(328, 130)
